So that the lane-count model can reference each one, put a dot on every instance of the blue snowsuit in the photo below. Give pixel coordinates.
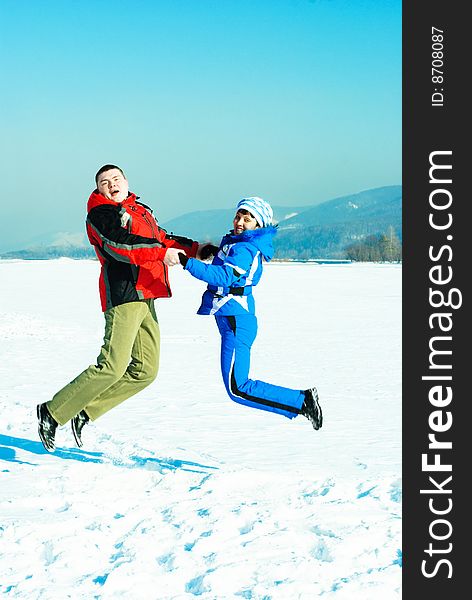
(235, 270)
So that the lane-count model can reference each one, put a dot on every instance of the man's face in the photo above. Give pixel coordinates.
(113, 185)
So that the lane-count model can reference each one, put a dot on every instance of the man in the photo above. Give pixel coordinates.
(135, 254)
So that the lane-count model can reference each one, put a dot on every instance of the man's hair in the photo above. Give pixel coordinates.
(107, 168)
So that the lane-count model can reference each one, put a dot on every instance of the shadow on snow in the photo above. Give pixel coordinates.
(8, 443)
(8, 453)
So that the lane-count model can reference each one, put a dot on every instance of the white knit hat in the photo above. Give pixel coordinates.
(259, 209)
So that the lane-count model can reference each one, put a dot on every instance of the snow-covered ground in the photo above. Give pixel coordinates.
(180, 493)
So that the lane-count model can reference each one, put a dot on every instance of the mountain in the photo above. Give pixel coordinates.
(320, 231)
(211, 225)
(370, 207)
(324, 231)
(54, 245)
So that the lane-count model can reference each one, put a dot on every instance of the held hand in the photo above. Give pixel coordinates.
(206, 250)
(171, 257)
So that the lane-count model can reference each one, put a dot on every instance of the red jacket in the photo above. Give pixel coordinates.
(130, 246)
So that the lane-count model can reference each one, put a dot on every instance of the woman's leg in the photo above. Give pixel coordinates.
(237, 336)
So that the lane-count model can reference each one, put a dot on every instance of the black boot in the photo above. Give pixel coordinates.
(46, 427)
(77, 424)
(311, 408)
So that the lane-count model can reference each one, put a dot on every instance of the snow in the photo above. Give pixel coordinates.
(180, 493)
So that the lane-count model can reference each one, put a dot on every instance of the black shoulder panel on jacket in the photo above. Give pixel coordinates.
(107, 220)
(145, 206)
(183, 241)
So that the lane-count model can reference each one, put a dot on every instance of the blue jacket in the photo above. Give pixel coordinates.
(235, 270)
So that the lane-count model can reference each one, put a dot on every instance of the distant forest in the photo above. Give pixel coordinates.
(364, 227)
(380, 247)
(384, 247)
(330, 242)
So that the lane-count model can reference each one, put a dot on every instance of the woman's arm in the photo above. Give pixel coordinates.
(237, 264)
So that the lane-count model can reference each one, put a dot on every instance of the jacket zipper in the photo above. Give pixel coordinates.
(151, 224)
(155, 232)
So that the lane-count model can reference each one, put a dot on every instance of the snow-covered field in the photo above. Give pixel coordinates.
(180, 493)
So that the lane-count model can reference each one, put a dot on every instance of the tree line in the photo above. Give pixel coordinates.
(380, 247)
(295, 244)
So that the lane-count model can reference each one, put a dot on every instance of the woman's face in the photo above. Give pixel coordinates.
(243, 221)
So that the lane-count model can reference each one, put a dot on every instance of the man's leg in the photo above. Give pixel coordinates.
(122, 324)
(141, 371)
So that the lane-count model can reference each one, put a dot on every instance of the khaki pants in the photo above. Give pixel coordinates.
(128, 362)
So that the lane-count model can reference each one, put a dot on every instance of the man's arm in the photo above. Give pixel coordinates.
(179, 242)
(106, 231)
(204, 251)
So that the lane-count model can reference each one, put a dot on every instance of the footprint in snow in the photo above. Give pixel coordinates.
(196, 586)
(190, 545)
(321, 552)
(166, 561)
(247, 528)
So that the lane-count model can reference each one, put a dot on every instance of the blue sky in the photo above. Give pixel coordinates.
(201, 102)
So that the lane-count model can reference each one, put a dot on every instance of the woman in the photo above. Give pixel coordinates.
(235, 270)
